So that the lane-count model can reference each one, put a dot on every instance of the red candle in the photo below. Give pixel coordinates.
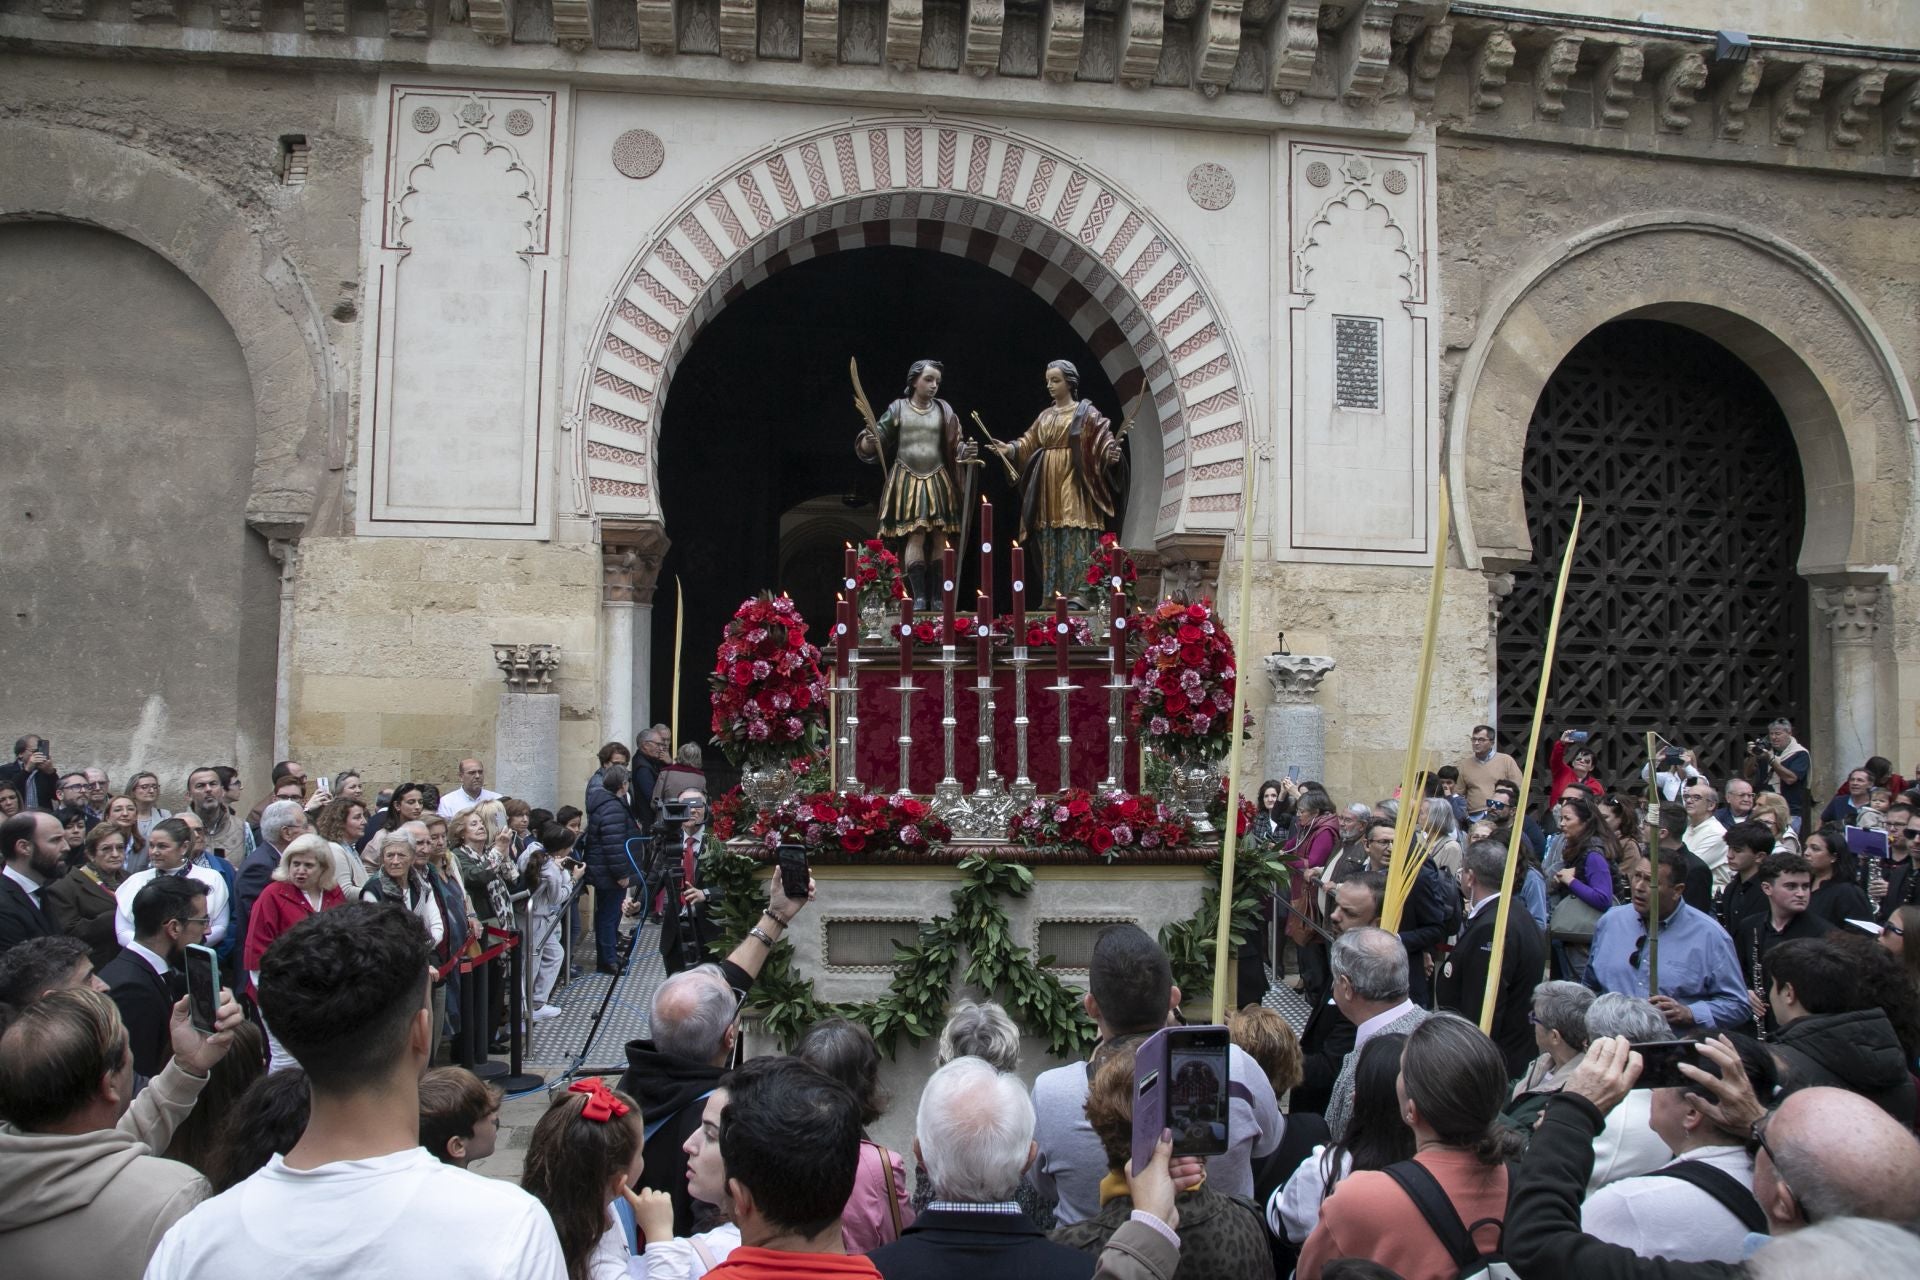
(1117, 624)
(852, 570)
(983, 640)
(1061, 632)
(986, 552)
(949, 567)
(1019, 594)
(906, 636)
(842, 636)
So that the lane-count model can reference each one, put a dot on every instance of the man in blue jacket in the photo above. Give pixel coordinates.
(610, 825)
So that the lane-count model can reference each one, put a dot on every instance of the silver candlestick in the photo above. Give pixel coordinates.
(1063, 691)
(848, 742)
(906, 689)
(1116, 732)
(1023, 789)
(948, 800)
(988, 808)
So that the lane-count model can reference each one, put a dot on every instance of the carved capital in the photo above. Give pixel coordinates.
(986, 25)
(1294, 42)
(1852, 611)
(1065, 34)
(656, 24)
(1429, 53)
(1142, 30)
(1366, 49)
(491, 20)
(1736, 96)
(573, 24)
(1558, 61)
(528, 668)
(1189, 563)
(1684, 77)
(1488, 74)
(630, 556)
(1216, 45)
(1793, 102)
(1853, 105)
(1613, 87)
(1296, 677)
(1903, 122)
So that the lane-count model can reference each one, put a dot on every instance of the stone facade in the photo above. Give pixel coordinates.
(1334, 250)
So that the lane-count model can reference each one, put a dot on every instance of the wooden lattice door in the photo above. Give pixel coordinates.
(1684, 613)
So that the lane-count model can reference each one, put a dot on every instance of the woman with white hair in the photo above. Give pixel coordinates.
(1559, 1019)
(302, 886)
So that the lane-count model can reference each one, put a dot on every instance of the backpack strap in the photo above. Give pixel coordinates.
(707, 1261)
(658, 1123)
(893, 1193)
(1723, 1187)
(1430, 1198)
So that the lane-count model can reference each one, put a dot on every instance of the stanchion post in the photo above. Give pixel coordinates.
(516, 1080)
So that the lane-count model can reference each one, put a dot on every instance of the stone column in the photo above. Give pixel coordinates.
(630, 566)
(286, 553)
(1852, 612)
(1296, 727)
(526, 733)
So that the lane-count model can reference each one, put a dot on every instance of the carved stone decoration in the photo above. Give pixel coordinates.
(1736, 96)
(906, 21)
(986, 20)
(639, 153)
(1210, 186)
(425, 120)
(1216, 45)
(241, 15)
(1366, 48)
(1613, 89)
(820, 31)
(1296, 677)
(737, 29)
(1852, 612)
(656, 23)
(1395, 181)
(1491, 62)
(1295, 43)
(940, 46)
(519, 122)
(1558, 62)
(1429, 53)
(1141, 28)
(1679, 84)
(1793, 102)
(1903, 122)
(573, 24)
(1852, 106)
(474, 113)
(1318, 174)
(630, 557)
(406, 19)
(491, 20)
(1066, 33)
(1099, 50)
(528, 668)
(66, 10)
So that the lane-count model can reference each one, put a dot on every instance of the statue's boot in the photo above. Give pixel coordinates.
(917, 583)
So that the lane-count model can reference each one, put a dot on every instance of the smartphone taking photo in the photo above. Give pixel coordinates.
(1180, 1082)
(203, 986)
(794, 877)
(1660, 1063)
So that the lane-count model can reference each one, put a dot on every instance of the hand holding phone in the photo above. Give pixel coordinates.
(794, 877)
(1181, 1078)
(203, 986)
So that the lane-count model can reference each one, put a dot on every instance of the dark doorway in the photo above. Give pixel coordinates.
(759, 424)
(1684, 614)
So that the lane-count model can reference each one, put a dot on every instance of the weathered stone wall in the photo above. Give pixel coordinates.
(392, 658)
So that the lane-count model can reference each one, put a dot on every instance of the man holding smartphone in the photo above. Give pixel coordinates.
(169, 912)
(32, 771)
(685, 933)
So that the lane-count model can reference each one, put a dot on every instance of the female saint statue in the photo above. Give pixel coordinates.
(1073, 480)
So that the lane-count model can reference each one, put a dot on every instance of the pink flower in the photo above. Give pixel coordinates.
(794, 727)
(761, 669)
(1122, 833)
(757, 730)
(1060, 813)
(1201, 724)
(910, 835)
(1158, 726)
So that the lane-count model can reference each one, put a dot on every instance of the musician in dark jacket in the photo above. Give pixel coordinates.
(1461, 984)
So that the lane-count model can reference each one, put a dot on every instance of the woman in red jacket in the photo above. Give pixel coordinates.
(302, 885)
(1570, 763)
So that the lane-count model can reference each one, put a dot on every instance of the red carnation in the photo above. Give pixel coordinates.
(1100, 839)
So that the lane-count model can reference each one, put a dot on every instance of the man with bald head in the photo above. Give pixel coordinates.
(1823, 1154)
(694, 1026)
(471, 791)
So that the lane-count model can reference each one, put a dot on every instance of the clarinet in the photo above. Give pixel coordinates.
(1759, 981)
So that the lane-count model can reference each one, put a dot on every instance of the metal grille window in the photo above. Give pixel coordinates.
(1684, 613)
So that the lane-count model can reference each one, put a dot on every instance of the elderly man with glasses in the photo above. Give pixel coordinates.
(1700, 980)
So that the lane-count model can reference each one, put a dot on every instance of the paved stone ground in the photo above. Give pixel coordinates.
(555, 1044)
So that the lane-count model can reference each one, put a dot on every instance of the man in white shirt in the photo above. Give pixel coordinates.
(1706, 838)
(358, 1195)
(470, 792)
(1700, 1208)
(167, 858)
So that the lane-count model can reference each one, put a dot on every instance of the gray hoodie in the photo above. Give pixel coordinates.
(96, 1204)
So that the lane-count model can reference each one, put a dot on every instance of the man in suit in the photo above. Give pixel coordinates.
(1327, 1038)
(35, 848)
(281, 823)
(1370, 985)
(1462, 982)
(33, 773)
(168, 913)
(973, 1134)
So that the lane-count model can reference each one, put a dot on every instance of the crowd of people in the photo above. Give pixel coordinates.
(1774, 1013)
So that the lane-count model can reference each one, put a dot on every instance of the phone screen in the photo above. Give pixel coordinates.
(1293, 773)
(1197, 1090)
(1660, 1062)
(203, 986)
(793, 871)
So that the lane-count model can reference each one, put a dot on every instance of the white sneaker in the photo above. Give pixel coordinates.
(546, 1012)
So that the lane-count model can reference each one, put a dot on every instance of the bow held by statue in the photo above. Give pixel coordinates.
(602, 1105)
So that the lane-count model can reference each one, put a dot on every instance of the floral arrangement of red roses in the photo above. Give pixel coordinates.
(876, 575)
(769, 693)
(1110, 560)
(852, 822)
(927, 630)
(1108, 823)
(1040, 630)
(1183, 681)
